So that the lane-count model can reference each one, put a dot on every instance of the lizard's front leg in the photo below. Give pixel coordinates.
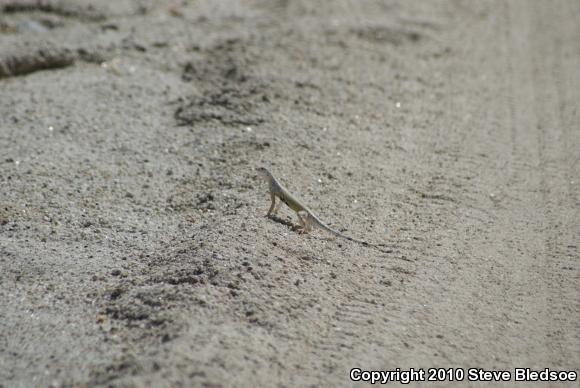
(277, 207)
(273, 197)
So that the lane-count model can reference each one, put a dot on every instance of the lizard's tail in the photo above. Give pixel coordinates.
(311, 218)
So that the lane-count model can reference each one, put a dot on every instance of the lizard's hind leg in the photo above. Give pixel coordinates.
(303, 223)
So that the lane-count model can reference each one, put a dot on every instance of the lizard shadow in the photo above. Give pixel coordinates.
(383, 248)
(291, 225)
(296, 228)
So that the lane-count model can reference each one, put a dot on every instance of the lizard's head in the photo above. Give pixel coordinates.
(264, 173)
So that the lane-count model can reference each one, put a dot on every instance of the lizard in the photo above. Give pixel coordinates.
(305, 215)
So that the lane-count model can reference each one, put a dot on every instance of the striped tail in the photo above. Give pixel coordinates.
(311, 218)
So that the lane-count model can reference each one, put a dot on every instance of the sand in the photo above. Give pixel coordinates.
(134, 247)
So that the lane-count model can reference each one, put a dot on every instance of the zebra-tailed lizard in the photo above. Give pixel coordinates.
(305, 216)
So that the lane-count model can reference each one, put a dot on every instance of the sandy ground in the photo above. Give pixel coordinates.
(134, 250)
